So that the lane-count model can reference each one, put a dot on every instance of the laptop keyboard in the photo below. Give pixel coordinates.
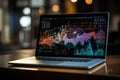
(66, 59)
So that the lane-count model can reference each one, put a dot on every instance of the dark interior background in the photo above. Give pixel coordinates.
(19, 20)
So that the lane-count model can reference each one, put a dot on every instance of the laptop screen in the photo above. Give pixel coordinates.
(73, 35)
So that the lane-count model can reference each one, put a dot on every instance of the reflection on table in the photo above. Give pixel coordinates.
(109, 68)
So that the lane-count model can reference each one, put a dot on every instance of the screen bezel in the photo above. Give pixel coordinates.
(106, 14)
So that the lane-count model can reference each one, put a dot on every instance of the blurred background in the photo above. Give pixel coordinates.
(19, 20)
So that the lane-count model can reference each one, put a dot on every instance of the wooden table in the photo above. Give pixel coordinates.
(110, 69)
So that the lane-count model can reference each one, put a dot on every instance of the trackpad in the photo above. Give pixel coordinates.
(72, 64)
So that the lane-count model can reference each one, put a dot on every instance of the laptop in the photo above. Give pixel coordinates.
(70, 40)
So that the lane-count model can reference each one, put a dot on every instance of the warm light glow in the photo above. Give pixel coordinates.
(55, 8)
(70, 7)
(25, 21)
(88, 2)
(41, 10)
(73, 0)
(26, 11)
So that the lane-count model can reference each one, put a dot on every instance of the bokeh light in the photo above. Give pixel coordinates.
(41, 10)
(88, 2)
(25, 21)
(26, 11)
(55, 8)
(74, 1)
